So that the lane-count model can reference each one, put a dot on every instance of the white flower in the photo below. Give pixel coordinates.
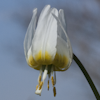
(47, 47)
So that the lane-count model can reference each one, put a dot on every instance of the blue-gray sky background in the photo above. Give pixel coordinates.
(18, 81)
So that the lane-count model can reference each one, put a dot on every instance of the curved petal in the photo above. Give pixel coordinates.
(62, 20)
(31, 61)
(30, 33)
(62, 59)
(64, 33)
(45, 38)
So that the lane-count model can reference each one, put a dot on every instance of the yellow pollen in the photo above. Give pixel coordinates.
(31, 61)
(43, 59)
(48, 85)
(36, 87)
(41, 84)
(39, 78)
(54, 91)
(60, 61)
(52, 80)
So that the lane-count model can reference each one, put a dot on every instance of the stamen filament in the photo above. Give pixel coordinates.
(54, 77)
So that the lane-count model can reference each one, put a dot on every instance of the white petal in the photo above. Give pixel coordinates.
(30, 32)
(64, 31)
(62, 20)
(62, 59)
(44, 13)
(31, 62)
(45, 38)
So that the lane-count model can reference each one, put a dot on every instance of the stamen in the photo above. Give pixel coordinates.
(49, 74)
(48, 85)
(36, 87)
(39, 90)
(52, 70)
(54, 77)
(54, 91)
(52, 80)
(40, 75)
(39, 80)
(41, 84)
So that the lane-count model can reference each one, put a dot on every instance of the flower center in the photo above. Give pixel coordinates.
(42, 76)
(60, 61)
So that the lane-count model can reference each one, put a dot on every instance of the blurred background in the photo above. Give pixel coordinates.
(18, 81)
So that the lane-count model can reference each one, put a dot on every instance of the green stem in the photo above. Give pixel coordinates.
(96, 93)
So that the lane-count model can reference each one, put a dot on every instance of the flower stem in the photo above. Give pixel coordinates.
(96, 93)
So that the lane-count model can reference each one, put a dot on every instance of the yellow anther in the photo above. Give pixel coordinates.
(41, 83)
(36, 87)
(48, 85)
(48, 82)
(39, 78)
(52, 80)
(54, 91)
